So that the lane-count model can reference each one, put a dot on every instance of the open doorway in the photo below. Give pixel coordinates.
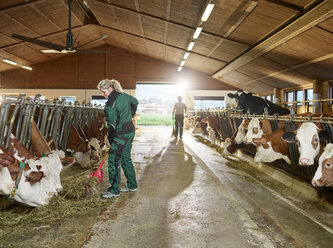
(156, 101)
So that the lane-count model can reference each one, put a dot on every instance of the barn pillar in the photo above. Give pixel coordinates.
(325, 92)
(277, 95)
(317, 95)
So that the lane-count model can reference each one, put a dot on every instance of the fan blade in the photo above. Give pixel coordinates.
(90, 42)
(93, 51)
(40, 42)
(52, 51)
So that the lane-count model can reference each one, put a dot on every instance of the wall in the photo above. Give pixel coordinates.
(50, 94)
(84, 71)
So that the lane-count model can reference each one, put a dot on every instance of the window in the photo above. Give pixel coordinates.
(299, 97)
(97, 99)
(208, 102)
(69, 99)
(289, 97)
(309, 95)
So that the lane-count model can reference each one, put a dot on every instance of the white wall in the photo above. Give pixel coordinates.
(80, 94)
(189, 96)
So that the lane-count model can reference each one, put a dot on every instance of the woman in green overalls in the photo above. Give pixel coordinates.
(119, 110)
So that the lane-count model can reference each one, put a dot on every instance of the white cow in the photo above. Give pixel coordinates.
(256, 129)
(324, 173)
(307, 140)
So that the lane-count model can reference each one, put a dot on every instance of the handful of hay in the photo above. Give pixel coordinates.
(77, 188)
(80, 197)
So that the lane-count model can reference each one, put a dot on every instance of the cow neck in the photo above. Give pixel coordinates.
(17, 181)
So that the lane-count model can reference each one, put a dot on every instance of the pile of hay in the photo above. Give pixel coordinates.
(79, 197)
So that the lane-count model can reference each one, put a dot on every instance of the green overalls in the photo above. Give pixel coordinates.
(119, 110)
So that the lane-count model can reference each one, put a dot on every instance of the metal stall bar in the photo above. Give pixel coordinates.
(66, 127)
(42, 127)
(54, 133)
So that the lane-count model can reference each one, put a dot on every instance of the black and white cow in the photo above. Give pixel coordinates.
(254, 104)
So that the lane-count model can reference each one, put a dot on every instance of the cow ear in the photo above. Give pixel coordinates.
(231, 95)
(289, 137)
(319, 126)
(249, 94)
(323, 136)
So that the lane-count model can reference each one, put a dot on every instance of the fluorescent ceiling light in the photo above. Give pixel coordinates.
(9, 62)
(186, 55)
(207, 12)
(180, 68)
(197, 32)
(182, 63)
(190, 46)
(27, 67)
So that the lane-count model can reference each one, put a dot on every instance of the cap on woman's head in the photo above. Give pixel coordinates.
(107, 83)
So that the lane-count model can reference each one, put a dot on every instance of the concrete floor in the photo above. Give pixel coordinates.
(189, 196)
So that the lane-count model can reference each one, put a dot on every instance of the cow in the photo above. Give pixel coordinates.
(271, 147)
(230, 144)
(79, 147)
(257, 128)
(199, 126)
(96, 151)
(256, 105)
(31, 190)
(308, 137)
(324, 174)
(213, 123)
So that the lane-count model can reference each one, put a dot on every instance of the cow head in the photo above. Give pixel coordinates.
(324, 173)
(241, 99)
(256, 129)
(307, 137)
(241, 132)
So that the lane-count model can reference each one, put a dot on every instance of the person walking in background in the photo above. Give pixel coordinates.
(119, 110)
(178, 115)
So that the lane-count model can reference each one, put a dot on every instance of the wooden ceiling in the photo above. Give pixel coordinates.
(255, 45)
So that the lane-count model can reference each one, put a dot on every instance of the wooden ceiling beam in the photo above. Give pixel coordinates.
(248, 10)
(169, 22)
(46, 18)
(306, 63)
(22, 5)
(20, 23)
(72, 12)
(137, 7)
(166, 29)
(308, 20)
(168, 45)
(7, 37)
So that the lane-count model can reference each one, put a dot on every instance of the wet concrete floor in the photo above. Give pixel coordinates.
(189, 196)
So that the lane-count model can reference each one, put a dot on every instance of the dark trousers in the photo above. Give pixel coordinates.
(179, 125)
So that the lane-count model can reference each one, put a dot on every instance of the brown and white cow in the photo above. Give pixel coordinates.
(213, 128)
(257, 128)
(307, 137)
(231, 144)
(324, 174)
(271, 147)
(79, 147)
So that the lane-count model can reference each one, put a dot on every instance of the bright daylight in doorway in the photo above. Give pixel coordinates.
(156, 102)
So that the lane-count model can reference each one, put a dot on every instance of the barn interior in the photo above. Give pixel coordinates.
(280, 50)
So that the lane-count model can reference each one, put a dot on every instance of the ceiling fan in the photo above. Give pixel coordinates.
(54, 48)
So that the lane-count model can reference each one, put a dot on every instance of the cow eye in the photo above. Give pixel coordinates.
(328, 165)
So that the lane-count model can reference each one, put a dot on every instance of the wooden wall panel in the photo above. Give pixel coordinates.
(84, 71)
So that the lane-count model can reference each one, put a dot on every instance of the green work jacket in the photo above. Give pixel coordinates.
(119, 110)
